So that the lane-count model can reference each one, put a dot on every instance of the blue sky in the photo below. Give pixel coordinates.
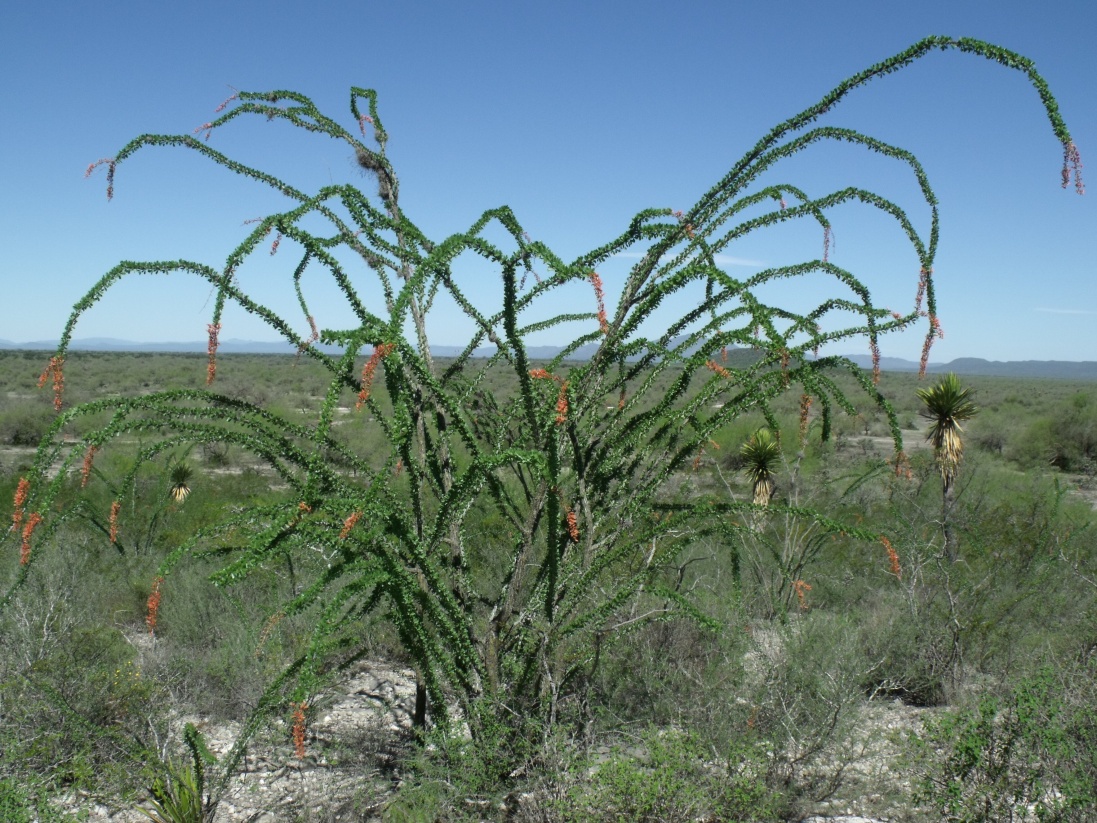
(577, 115)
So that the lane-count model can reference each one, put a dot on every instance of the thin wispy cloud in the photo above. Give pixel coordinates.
(721, 259)
(1065, 311)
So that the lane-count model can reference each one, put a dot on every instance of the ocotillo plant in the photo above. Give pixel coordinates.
(574, 470)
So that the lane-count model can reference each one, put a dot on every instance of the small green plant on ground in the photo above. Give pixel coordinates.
(578, 469)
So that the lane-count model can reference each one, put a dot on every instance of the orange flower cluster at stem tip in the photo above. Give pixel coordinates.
(561, 398)
(902, 466)
(299, 729)
(805, 409)
(562, 405)
(20, 501)
(801, 588)
(85, 471)
(875, 349)
(716, 368)
(1072, 161)
(893, 557)
(55, 369)
(153, 606)
(923, 278)
(603, 321)
(115, 508)
(924, 362)
(213, 329)
(380, 352)
(349, 524)
(573, 526)
(28, 530)
(304, 507)
(110, 163)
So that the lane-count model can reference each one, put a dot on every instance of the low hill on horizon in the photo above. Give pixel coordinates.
(1055, 369)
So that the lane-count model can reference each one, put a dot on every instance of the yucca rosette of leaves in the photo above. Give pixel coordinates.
(761, 456)
(947, 404)
(179, 475)
(604, 440)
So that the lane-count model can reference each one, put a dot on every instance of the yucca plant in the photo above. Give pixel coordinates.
(576, 469)
(761, 456)
(178, 794)
(947, 404)
(180, 475)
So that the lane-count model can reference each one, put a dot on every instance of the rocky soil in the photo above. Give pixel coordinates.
(353, 743)
(362, 727)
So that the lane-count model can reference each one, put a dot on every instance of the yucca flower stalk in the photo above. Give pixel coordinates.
(947, 405)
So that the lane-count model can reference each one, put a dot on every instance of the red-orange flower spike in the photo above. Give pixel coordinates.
(801, 588)
(923, 278)
(152, 608)
(599, 294)
(54, 369)
(20, 500)
(1072, 161)
(349, 524)
(28, 530)
(562, 405)
(902, 466)
(924, 362)
(621, 400)
(115, 509)
(724, 354)
(805, 409)
(715, 367)
(85, 471)
(541, 374)
(369, 370)
(875, 349)
(893, 557)
(573, 526)
(213, 329)
(299, 729)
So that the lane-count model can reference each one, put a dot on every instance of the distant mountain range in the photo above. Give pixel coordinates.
(1061, 369)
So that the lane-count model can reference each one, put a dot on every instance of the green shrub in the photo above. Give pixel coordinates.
(669, 776)
(1031, 754)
